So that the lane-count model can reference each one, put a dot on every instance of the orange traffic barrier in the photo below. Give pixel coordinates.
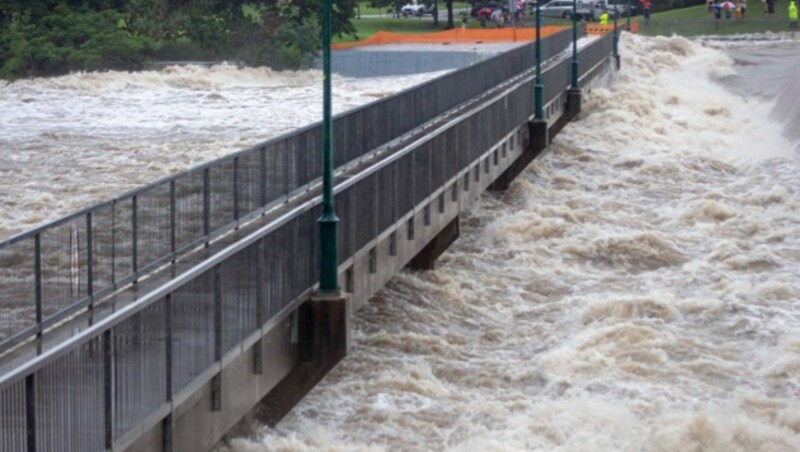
(598, 29)
(453, 36)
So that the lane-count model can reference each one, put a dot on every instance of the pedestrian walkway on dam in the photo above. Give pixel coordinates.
(157, 320)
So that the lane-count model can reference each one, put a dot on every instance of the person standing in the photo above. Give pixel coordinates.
(497, 18)
(717, 7)
(792, 15)
(646, 11)
(770, 8)
(728, 6)
(604, 18)
(742, 8)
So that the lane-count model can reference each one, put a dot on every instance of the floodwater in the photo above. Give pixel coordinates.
(636, 289)
(69, 142)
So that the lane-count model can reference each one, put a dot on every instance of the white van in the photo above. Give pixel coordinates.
(563, 9)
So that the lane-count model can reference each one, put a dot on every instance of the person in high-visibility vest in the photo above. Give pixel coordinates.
(792, 15)
(604, 18)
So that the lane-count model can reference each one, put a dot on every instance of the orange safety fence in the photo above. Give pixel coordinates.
(455, 35)
(598, 29)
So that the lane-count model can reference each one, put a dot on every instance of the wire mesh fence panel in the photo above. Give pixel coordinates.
(13, 423)
(276, 168)
(221, 193)
(122, 234)
(189, 207)
(63, 260)
(192, 329)
(140, 367)
(595, 52)
(239, 297)
(102, 230)
(388, 116)
(69, 401)
(365, 211)
(422, 172)
(405, 180)
(451, 152)
(386, 197)
(315, 150)
(306, 253)
(17, 287)
(438, 160)
(295, 158)
(307, 166)
(154, 228)
(279, 252)
(371, 122)
(248, 186)
(344, 210)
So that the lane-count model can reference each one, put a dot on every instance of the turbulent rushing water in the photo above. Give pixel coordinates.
(68, 142)
(635, 290)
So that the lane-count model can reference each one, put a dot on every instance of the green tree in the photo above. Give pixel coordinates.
(65, 39)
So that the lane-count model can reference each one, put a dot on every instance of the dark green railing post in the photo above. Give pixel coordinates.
(538, 89)
(328, 223)
(574, 44)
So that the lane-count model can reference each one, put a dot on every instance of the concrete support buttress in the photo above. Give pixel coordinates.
(324, 339)
(537, 142)
(571, 110)
(426, 258)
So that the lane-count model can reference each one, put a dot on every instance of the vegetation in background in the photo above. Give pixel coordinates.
(49, 37)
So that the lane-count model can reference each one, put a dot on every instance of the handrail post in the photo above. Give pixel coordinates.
(37, 263)
(206, 204)
(168, 423)
(89, 266)
(30, 411)
(135, 239)
(173, 233)
(236, 190)
(107, 345)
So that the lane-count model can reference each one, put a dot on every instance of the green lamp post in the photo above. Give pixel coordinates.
(329, 222)
(574, 44)
(616, 38)
(538, 89)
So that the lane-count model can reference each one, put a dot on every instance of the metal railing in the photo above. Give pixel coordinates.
(124, 374)
(61, 268)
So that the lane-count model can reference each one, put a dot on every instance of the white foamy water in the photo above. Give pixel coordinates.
(72, 141)
(637, 289)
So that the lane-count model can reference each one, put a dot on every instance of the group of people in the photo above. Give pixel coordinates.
(500, 17)
(717, 8)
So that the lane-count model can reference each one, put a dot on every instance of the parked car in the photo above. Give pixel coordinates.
(416, 8)
(621, 6)
(563, 9)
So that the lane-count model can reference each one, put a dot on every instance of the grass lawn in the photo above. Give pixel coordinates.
(692, 21)
(695, 20)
